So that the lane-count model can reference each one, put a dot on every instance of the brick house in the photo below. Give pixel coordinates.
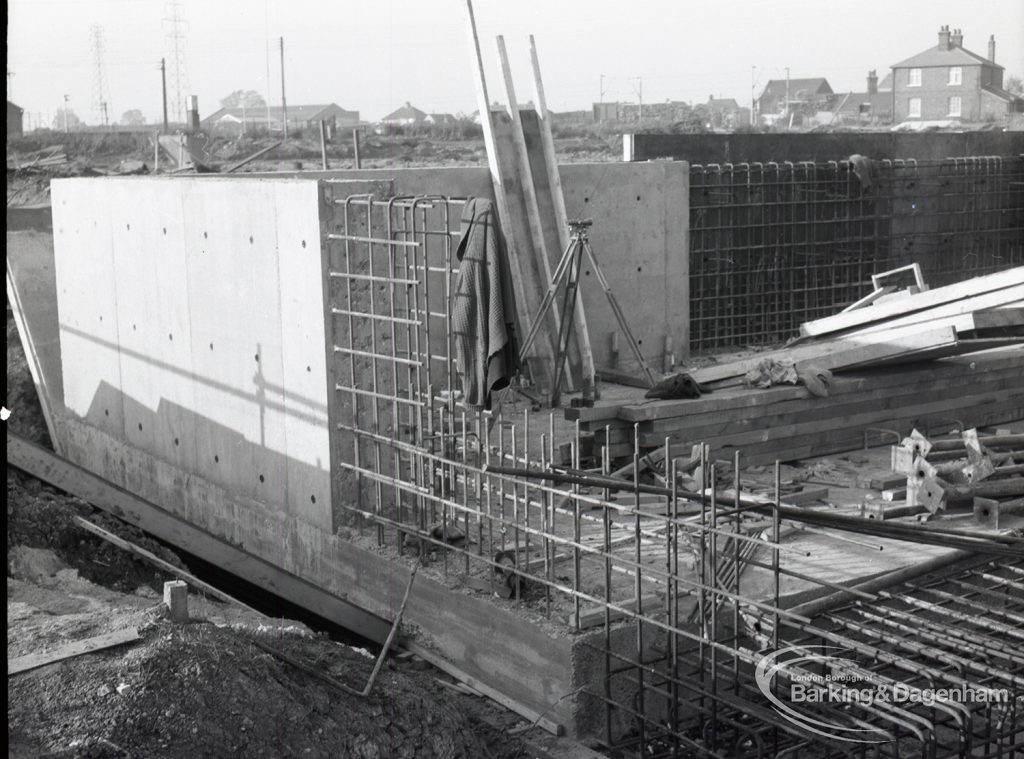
(14, 119)
(950, 83)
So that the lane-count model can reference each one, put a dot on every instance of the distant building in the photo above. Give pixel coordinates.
(407, 115)
(873, 106)
(626, 113)
(950, 83)
(782, 96)
(726, 113)
(299, 116)
(15, 114)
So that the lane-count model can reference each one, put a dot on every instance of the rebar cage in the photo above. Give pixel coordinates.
(773, 245)
(674, 597)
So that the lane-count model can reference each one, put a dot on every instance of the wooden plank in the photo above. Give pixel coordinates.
(554, 182)
(69, 650)
(526, 282)
(921, 301)
(938, 314)
(999, 317)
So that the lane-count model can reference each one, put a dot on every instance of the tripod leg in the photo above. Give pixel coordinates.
(549, 298)
(568, 313)
(620, 317)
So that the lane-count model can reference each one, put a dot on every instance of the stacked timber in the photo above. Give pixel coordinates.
(907, 359)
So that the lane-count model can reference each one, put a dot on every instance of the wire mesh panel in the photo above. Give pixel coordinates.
(673, 597)
(774, 245)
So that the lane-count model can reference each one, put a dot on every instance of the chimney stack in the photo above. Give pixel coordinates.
(957, 38)
(872, 82)
(944, 38)
(992, 48)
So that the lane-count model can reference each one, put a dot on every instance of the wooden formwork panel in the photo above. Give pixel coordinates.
(212, 348)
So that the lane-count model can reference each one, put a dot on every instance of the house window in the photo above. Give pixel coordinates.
(915, 78)
(914, 108)
(956, 75)
(954, 106)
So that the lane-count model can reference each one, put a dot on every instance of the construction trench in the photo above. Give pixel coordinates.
(819, 555)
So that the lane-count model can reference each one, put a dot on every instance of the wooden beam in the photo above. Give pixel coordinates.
(69, 650)
(561, 216)
(950, 294)
(525, 281)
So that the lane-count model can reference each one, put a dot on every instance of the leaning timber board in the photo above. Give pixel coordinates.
(958, 292)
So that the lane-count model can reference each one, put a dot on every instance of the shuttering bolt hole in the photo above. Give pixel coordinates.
(211, 346)
(165, 230)
(257, 356)
(216, 459)
(261, 478)
(309, 369)
(128, 227)
(176, 441)
(170, 337)
(250, 239)
(303, 243)
(140, 426)
(106, 412)
(312, 499)
(205, 236)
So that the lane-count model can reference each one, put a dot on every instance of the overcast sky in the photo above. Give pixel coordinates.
(374, 55)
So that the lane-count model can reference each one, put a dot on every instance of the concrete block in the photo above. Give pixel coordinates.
(176, 600)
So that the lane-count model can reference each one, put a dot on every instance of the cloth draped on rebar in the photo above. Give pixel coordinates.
(483, 307)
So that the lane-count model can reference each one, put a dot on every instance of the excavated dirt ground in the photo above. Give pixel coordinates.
(201, 689)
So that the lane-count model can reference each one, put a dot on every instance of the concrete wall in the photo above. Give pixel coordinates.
(739, 148)
(191, 327)
(640, 238)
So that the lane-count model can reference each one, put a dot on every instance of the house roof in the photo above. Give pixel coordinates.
(295, 113)
(776, 88)
(955, 56)
(1000, 93)
(886, 84)
(442, 118)
(724, 103)
(407, 111)
(15, 105)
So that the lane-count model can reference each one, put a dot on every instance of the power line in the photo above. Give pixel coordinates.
(175, 37)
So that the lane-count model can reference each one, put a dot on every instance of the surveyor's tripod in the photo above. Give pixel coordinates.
(569, 269)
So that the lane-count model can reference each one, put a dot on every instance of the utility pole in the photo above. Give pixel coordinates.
(786, 116)
(753, 71)
(601, 97)
(66, 99)
(284, 102)
(163, 82)
(640, 97)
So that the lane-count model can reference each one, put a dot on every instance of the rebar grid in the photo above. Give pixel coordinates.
(774, 245)
(676, 594)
